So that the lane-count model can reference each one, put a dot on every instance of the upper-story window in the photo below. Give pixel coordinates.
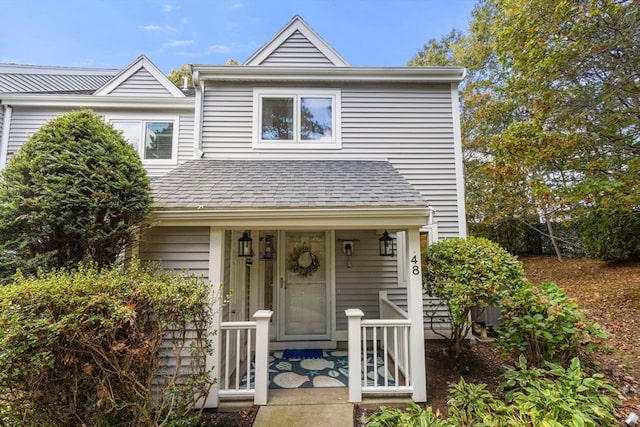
(154, 138)
(296, 118)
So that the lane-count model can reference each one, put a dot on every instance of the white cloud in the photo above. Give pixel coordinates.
(174, 43)
(237, 6)
(170, 8)
(149, 27)
(189, 54)
(218, 48)
(183, 21)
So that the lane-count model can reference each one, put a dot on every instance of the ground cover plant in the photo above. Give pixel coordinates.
(100, 347)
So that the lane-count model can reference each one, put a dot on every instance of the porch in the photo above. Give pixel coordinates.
(376, 362)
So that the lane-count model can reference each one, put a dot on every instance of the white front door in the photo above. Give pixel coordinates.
(304, 286)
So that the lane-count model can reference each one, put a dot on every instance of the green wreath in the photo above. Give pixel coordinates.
(302, 261)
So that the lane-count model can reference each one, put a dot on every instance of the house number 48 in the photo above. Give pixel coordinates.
(415, 268)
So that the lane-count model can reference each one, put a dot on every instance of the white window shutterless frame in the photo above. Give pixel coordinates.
(296, 119)
(155, 137)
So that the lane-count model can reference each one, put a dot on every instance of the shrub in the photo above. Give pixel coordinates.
(556, 396)
(75, 191)
(91, 347)
(466, 273)
(612, 234)
(543, 325)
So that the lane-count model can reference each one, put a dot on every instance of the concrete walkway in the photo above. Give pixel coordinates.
(306, 408)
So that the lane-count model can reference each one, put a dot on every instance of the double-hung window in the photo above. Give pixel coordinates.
(296, 118)
(154, 138)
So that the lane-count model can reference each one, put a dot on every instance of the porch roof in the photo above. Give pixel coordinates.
(206, 184)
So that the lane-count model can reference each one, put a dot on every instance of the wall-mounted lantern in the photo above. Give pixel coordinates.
(385, 244)
(244, 245)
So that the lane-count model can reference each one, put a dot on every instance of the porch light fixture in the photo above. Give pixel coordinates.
(385, 244)
(244, 245)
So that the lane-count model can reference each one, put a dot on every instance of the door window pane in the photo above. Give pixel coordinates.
(316, 119)
(277, 119)
(158, 140)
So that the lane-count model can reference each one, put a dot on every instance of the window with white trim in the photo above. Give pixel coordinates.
(295, 118)
(154, 138)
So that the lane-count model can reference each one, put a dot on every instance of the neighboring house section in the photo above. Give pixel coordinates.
(153, 114)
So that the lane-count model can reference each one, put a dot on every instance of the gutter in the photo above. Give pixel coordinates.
(71, 101)
(4, 142)
(349, 74)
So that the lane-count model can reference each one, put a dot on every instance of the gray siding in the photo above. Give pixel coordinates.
(411, 126)
(358, 286)
(178, 248)
(26, 121)
(183, 250)
(141, 83)
(296, 50)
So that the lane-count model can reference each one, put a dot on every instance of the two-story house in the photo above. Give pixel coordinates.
(315, 183)
(305, 187)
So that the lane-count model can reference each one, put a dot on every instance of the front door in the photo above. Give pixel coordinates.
(304, 286)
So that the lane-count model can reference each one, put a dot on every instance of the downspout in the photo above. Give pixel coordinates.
(197, 119)
(457, 146)
(4, 142)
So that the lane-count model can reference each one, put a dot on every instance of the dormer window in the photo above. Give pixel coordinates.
(286, 118)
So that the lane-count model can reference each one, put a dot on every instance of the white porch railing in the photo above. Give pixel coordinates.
(378, 348)
(241, 344)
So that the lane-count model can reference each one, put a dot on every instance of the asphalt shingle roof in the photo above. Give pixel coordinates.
(243, 184)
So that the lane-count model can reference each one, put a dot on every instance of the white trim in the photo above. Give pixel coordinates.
(297, 94)
(198, 117)
(4, 142)
(331, 74)
(457, 146)
(92, 101)
(143, 118)
(296, 24)
(416, 315)
(401, 258)
(292, 219)
(216, 277)
(141, 62)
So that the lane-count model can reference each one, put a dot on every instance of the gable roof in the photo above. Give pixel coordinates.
(280, 184)
(16, 78)
(142, 68)
(295, 35)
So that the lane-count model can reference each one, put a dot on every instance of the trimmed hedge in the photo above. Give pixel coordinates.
(84, 347)
(74, 192)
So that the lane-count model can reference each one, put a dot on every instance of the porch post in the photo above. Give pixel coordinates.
(355, 357)
(416, 315)
(216, 277)
(262, 357)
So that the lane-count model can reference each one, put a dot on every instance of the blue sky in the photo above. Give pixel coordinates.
(112, 33)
